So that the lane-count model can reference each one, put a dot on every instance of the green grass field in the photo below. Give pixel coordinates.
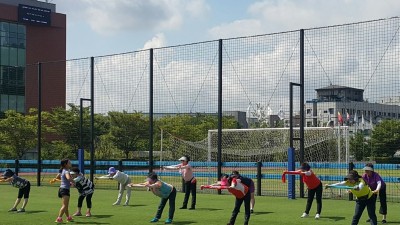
(211, 209)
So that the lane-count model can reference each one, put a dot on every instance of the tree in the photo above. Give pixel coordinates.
(66, 123)
(18, 132)
(385, 138)
(129, 131)
(358, 148)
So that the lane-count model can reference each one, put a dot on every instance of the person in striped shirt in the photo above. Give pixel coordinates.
(22, 184)
(85, 188)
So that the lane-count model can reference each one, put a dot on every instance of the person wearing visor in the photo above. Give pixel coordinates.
(378, 187)
(163, 190)
(123, 180)
(364, 196)
(190, 181)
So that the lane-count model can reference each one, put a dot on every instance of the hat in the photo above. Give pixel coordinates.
(305, 167)
(183, 158)
(112, 170)
(368, 168)
(72, 173)
(8, 173)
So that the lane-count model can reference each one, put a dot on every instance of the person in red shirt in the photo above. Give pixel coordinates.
(314, 188)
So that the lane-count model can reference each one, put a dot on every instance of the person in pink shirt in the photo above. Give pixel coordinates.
(190, 181)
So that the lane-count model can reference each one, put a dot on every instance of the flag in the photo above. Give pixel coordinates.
(340, 118)
(347, 116)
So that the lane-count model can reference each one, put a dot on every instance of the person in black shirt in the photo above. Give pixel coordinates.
(22, 184)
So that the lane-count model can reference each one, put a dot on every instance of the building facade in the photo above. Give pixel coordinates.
(31, 32)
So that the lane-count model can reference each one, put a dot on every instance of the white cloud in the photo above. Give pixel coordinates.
(156, 42)
(237, 28)
(197, 8)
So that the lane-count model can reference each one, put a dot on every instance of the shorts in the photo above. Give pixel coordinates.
(24, 192)
(63, 192)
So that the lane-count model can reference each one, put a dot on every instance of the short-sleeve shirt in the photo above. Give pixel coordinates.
(64, 181)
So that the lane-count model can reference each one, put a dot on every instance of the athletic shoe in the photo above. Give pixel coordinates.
(304, 215)
(21, 210)
(77, 214)
(383, 221)
(368, 220)
(183, 207)
(168, 221)
(59, 220)
(251, 211)
(154, 220)
(12, 210)
(126, 204)
(69, 219)
(88, 214)
(317, 216)
(116, 203)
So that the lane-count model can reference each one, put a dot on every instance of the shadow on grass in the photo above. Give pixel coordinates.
(89, 222)
(101, 216)
(183, 222)
(261, 213)
(34, 211)
(334, 218)
(392, 222)
(207, 209)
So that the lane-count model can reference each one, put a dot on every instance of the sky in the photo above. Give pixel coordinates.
(106, 27)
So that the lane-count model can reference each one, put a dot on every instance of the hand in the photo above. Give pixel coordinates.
(375, 192)
(326, 186)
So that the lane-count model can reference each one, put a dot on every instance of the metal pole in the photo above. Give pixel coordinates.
(219, 154)
(92, 118)
(39, 130)
(301, 107)
(151, 127)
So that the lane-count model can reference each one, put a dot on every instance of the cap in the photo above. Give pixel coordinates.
(183, 158)
(8, 173)
(368, 168)
(72, 173)
(305, 167)
(112, 170)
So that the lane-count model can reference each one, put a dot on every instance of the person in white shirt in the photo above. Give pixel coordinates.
(123, 180)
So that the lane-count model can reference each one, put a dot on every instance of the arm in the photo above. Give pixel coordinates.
(7, 179)
(104, 177)
(172, 167)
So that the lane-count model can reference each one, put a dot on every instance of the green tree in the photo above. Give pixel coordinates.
(18, 132)
(385, 138)
(129, 131)
(358, 147)
(66, 123)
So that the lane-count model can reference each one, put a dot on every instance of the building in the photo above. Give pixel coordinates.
(31, 32)
(335, 101)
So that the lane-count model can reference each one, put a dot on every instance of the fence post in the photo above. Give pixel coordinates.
(16, 167)
(259, 177)
(351, 167)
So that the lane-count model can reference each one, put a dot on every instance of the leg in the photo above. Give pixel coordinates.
(310, 199)
(319, 198)
(360, 206)
(64, 207)
(161, 206)
(128, 195)
(80, 203)
(193, 189)
(252, 201)
(187, 193)
(89, 203)
(120, 193)
(247, 200)
(235, 211)
(371, 206)
(24, 203)
(171, 199)
(383, 203)
(16, 203)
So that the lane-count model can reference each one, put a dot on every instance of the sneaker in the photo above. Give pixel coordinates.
(368, 220)
(317, 216)
(183, 207)
(88, 214)
(251, 211)
(168, 221)
(12, 210)
(192, 208)
(384, 221)
(77, 214)
(154, 220)
(21, 210)
(116, 203)
(304, 215)
(69, 219)
(59, 220)
(126, 204)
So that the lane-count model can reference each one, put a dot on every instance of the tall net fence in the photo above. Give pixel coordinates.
(140, 98)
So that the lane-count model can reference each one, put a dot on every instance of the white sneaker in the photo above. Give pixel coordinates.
(317, 216)
(116, 203)
(304, 215)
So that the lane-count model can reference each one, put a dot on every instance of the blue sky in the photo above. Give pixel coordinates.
(103, 27)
